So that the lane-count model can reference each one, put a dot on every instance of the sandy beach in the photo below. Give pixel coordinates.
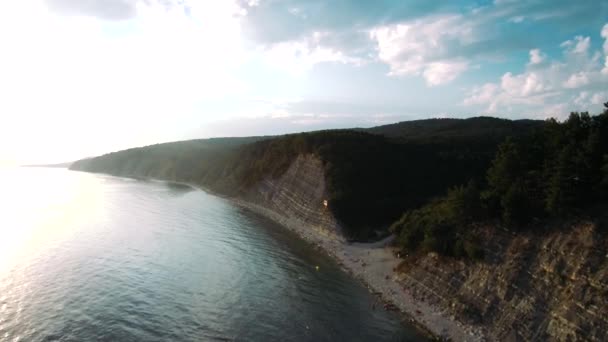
(374, 265)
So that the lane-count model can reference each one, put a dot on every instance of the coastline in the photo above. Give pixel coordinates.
(371, 263)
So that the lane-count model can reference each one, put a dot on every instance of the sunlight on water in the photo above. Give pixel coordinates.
(88, 257)
(60, 205)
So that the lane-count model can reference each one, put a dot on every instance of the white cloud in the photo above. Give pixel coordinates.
(420, 47)
(522, 85)
(589, 99)
(104, 9)
(437, 73)
(517, 19)
(557, 110)
(549, 88)
(604, 35)
(536, 56)
(298, 57)
(576, 80)
(599, 97)
(482, 95)
(579, 44)
(581, 99)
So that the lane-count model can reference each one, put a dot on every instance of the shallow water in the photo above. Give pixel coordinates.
(88, 257)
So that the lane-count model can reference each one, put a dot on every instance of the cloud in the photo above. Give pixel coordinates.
(523, 85)
(452, 42)
(517, 19)
(422, 47)
(552, 88)
(298, 57)
(269, 22)
(576, 80)
(536, 56)
(432, 39)
(122, 10)
(579, 44)
(104, 9)
(437, 73)
(604, 35)
(599, 97)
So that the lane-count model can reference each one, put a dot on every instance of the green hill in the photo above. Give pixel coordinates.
(471, 129)
(373, 175)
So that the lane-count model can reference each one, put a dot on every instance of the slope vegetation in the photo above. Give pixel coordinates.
(371, 177)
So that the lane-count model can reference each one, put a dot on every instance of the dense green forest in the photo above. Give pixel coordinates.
(559, 170)
(431, 181)
(373, 175)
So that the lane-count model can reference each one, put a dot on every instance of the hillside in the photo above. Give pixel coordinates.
(456, 130)
(486, 216)
(371, 178)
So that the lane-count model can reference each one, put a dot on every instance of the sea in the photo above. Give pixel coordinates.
(90, 257)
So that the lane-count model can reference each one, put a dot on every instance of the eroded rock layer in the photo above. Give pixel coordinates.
(530, 287)
(298, 197)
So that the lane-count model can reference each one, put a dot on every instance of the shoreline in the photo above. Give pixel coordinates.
(373, 264)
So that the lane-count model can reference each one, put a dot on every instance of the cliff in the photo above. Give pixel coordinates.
(549, 286)
(545, 282)
(297, 198)
(529, 287)
(369, 180)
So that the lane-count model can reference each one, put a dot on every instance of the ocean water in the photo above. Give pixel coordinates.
(87, 257)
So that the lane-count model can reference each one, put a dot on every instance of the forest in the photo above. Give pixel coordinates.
(373, 175)
(428, 181)
(558, 171)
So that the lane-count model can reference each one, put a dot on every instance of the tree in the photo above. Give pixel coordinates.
(463, 203)
(506, 168)
(515, 204)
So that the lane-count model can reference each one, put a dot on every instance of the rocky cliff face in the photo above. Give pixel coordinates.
(530, 287)
(297, 198)
(551, 286)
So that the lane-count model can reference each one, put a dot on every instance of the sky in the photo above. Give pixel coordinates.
(81, 78)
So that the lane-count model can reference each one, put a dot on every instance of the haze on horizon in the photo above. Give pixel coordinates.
(81, 78)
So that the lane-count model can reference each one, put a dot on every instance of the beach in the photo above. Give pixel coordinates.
(374, 264)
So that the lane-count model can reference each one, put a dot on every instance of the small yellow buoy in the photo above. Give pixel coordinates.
(317, 267)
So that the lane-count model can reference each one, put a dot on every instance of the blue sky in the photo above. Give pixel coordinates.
(82, 78)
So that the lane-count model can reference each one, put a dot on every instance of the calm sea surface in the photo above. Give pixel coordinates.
(88, 257)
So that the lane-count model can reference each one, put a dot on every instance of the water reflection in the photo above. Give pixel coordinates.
(90, 257)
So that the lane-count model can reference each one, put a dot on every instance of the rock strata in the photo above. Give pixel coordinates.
(298, 197)
(529, 288)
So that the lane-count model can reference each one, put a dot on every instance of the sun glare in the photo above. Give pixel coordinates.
(43, 209)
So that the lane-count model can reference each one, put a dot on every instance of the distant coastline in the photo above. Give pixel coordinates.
(372, 263)
(59, 165)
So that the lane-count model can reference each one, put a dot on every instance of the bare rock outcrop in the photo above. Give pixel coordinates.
(531, 287)
(297, 198)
